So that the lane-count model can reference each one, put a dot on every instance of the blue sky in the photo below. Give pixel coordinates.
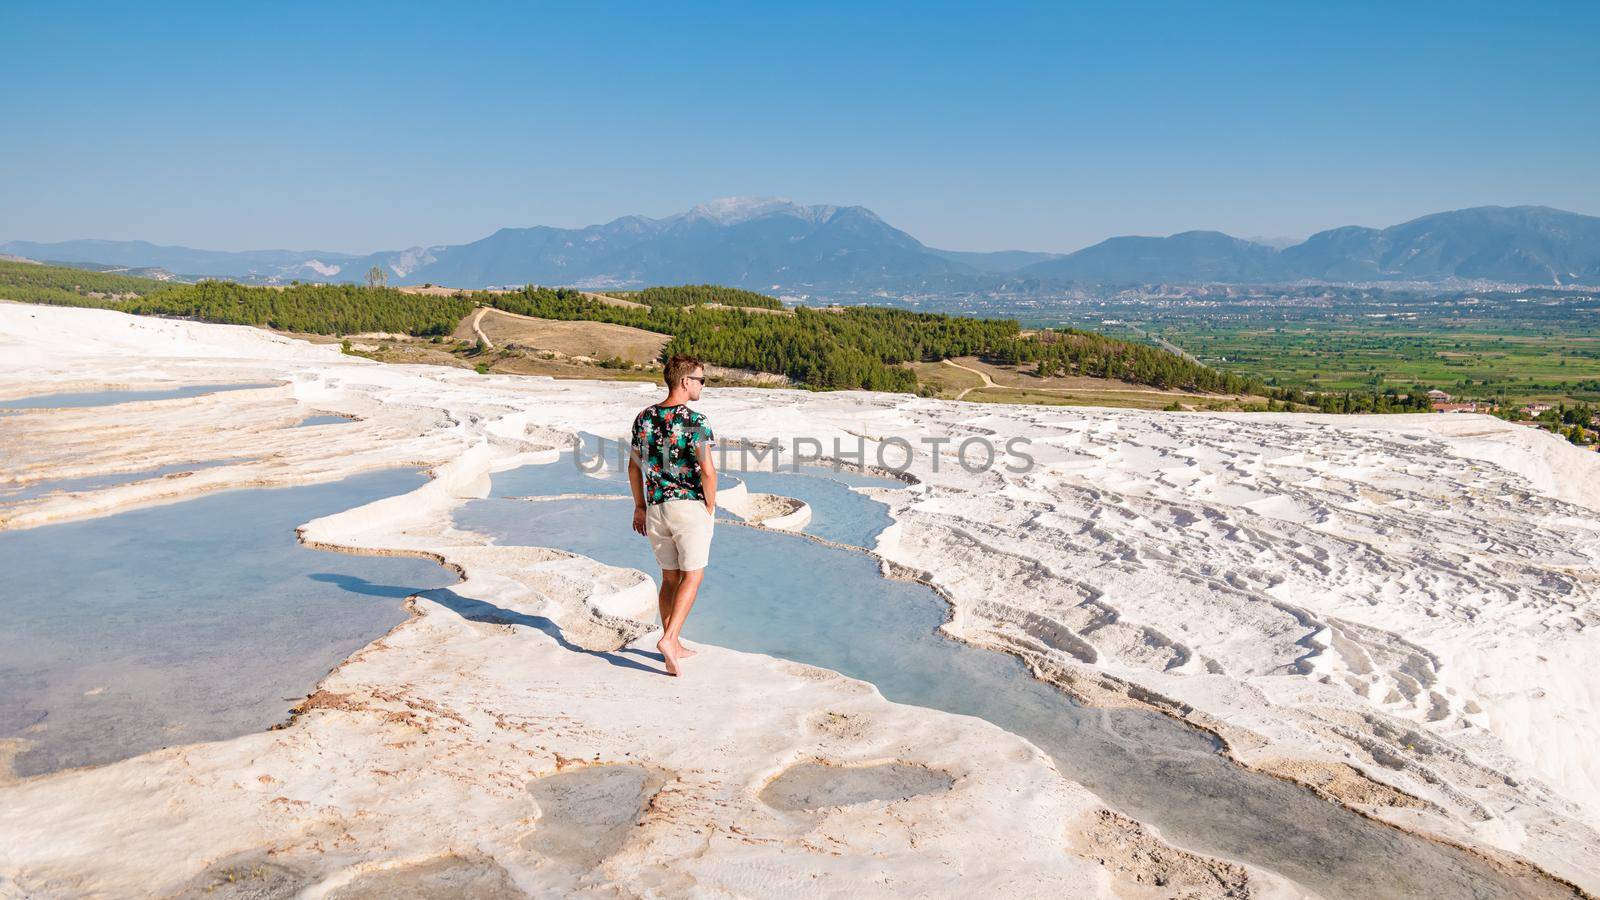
(349, 126)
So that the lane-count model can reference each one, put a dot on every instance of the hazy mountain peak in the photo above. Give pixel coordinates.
(733, 210)
(1277, 243)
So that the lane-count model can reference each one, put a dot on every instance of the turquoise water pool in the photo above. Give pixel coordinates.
(113, 397)
(838, 513)
(193, 621)
(13, 493)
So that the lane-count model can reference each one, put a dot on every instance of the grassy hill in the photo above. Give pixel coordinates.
(591, 340)
(973, 379)
(63, 286)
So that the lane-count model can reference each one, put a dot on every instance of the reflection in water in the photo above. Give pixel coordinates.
(837, 512)
(12, 493)
(113, 397)
(196, 621)
(781, 595)
(310, 421)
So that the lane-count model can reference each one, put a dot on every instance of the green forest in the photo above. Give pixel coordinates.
(33, 283)
(699, 294)
(313, 309)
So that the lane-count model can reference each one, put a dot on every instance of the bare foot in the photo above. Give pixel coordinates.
(683, 652)
(669, 653)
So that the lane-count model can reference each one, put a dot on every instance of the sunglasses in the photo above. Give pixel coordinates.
(699, 378)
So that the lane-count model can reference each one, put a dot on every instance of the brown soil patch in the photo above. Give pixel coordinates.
(1338, 782)
(584, 340)
(1148, 867)
(609, 300)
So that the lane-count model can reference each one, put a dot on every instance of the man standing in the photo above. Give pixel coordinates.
(675, 496)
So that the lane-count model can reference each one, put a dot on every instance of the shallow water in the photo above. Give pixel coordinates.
(1150, 766)
(847, 477)
(837, 512)
(729, 457)
(113, 397)
(194, 621)
(310, 421)
(595, 470)
(810, 786)
(588, 473)
(11, 494)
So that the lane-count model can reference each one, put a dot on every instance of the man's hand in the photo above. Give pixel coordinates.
(638, 519)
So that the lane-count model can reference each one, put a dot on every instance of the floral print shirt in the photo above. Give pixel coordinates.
(665, 444)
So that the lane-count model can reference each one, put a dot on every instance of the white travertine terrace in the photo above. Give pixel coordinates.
(1398, 611)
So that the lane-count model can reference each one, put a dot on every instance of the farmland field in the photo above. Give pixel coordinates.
(1507, 365)
(1511, 347)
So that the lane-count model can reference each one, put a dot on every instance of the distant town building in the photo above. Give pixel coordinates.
(1438, 396)
(1468, 407)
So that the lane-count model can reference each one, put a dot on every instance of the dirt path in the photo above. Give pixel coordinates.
(1067, 391)
(748, 309)
(477, 319)
(511, 315)
(1167, 345)
(987, 381)
(582, 339)
(609, 300)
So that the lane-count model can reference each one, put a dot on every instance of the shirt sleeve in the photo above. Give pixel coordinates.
(702, 432)
(641, 438)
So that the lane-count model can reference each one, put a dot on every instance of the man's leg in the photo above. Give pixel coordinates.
(669, 589)
(664, 600)
(682, 602)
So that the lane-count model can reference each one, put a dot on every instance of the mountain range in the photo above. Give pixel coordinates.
(776, 245)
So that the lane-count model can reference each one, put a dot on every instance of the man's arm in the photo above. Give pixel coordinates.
(708, 475)
(636, 484)
(636, 476)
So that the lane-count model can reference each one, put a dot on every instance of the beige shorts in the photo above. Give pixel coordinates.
(680, 533)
